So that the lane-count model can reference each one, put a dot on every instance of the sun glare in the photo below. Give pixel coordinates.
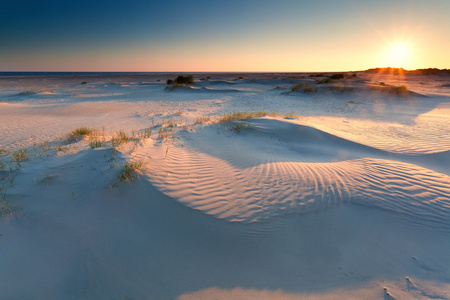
(398, 55)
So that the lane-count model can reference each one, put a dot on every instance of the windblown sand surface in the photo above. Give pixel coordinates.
(344, 193)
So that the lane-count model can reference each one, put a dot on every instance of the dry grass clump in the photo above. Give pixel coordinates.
(165, 133)
(202, 120)
(3, 151)
(399, 90)
(169, 123)
(238, 127)
(7, 206)
(20, 155)
(340, 88)
(76, 133)
(391, 89)
(27, 92)
(128, 172)
(305, 86)
(235, 116)
(143, 133)
(230, 117)
(120, 138)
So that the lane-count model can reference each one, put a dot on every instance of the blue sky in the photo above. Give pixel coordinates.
(194, 35)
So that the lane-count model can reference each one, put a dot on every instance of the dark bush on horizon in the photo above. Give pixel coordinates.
(337, 76)
(189, 79)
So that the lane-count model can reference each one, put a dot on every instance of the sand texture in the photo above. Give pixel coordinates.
(335, 191)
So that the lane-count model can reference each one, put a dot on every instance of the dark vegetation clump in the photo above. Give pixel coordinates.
(189, 79)
(84, 82)
(333, 77)
(182, 82)
(317, 75)
(337, 76)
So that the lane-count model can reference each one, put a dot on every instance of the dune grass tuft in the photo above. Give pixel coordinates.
(128, 172)
(76, 133)
(120, 138)
(305, 86)
(391, 89)
(229, 117)
(202, 120)
(20, 155)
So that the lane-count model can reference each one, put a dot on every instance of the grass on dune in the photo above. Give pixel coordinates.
(128, 172)
(76, 133)
(20, 155)
(243, 115)
(234, 116)
(391, 89)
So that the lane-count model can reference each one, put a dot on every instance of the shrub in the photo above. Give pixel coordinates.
(189, 79)
(169, 81)
(337, 76)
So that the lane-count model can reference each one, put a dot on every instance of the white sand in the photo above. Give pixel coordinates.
(348, 199)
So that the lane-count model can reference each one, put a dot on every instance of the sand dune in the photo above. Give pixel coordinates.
(256, 175)
(348, 197)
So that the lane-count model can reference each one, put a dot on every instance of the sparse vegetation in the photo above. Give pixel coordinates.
(238, 127)
(245, 115)
(165, 133)
(120, 138)
(75, 134)
(169, 123)
(27, 92)
(143, 134)
(202, 120)
(391, 89)
(290, 115)
(20, 155)
(336, 76)
(128, 172)
(176, 86)
(305, 86)
(7, 181)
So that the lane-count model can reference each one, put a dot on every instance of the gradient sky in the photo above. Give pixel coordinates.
(285, 36)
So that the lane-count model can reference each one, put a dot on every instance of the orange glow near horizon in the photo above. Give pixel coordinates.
(398, 55)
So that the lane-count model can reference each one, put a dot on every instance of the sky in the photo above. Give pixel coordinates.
(223, 36)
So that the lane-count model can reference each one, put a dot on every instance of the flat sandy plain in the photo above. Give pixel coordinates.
(340, 190)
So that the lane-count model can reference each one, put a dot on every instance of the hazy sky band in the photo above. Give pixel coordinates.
(219, 35)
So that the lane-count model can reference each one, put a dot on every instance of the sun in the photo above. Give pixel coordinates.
(398, 55)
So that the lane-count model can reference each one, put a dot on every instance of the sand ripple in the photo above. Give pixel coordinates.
(257, 175)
